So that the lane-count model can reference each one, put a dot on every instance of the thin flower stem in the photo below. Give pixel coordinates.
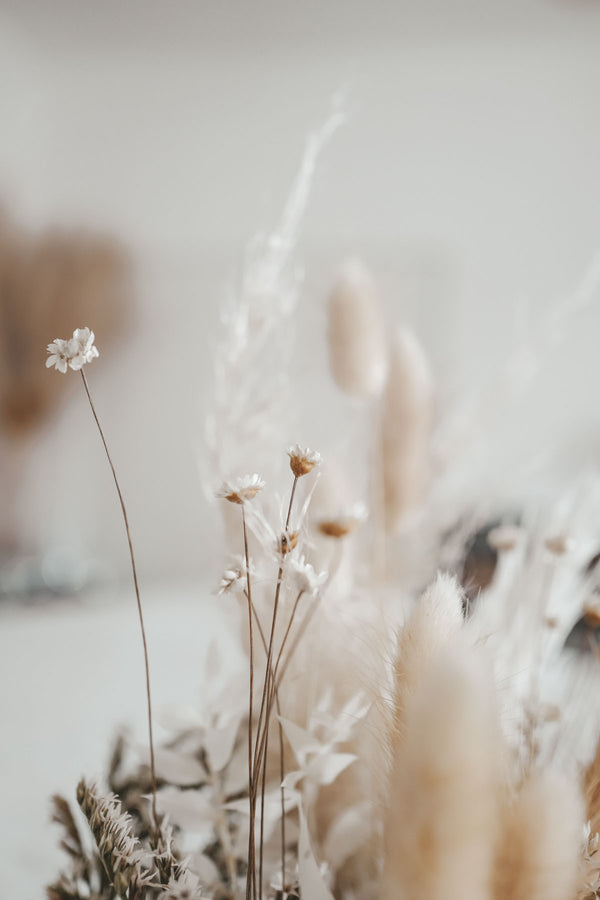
(139, 604)
(273, 690)
(265, 751)
(281, 757)
(251, 792)
(263, 723)
(272, 634)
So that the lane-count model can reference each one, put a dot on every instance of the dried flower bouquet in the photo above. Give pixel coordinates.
(384, 741)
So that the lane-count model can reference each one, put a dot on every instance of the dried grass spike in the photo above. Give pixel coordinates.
(435, 621)
(539, 846)
(441, 825)
(407, 418)
(356, 332)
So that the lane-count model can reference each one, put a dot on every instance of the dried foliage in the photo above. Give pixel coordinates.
(47, 284)
(380, 739)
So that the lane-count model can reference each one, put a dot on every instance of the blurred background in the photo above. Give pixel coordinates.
(144, 143)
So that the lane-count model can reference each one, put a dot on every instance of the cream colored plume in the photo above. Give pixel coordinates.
(356, 332)
(440, 830)
(540, 840)
(407, 418)
(435, 621)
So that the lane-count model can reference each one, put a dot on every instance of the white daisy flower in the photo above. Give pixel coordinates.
(303, 460)
(242, 489)
(72, 352)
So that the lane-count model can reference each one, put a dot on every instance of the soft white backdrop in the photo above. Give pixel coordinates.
(466, 175)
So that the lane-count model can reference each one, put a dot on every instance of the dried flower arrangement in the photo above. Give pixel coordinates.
(382, 741)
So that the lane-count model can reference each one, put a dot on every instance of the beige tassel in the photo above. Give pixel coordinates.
(591, 788)
(407, 417)
(357, 346)
(541, 836)
(441, 825)
(435, 621)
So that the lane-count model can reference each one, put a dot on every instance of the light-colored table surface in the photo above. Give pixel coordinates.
(71, 674)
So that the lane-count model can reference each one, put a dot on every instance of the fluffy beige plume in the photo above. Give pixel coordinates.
(436, 619)
(591, 789)
(356, 332)
(540, 841)
(440, 829)
(407, 417)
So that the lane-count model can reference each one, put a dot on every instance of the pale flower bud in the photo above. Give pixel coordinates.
(356, 332)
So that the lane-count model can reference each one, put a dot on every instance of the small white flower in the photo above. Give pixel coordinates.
(242, 489)
(233, 578)
(306, 579)
(73, 352)
(84, 338)
(303, 460)
(59, 355)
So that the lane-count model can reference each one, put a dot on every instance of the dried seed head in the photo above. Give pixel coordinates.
(356, 332)
(406, 424)
(505, 537)
(591, 612)
(303, 460)
(288, 542)
(343, 524)
(241, 490)
(558, 544)
(113, 832)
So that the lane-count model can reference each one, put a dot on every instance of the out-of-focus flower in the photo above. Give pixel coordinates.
(303, 460)
(186, 887)
(234, 577)
(242, 489)
(344, 523)
(559, 544)
(73, 352)
(505, 537)
(306, 579)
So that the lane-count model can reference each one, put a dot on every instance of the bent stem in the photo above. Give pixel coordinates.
(281, 757)
(139, 604)
(251, 871)
(262, 739)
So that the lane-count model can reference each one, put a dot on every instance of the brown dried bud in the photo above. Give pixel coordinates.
(288, 541)
(303, 460)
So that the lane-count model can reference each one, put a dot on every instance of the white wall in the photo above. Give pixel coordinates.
(467, 175)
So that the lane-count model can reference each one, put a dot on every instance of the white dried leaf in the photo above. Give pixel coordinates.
(205, 869)
(192, 810)
(219, 744)
(312, 883)
(326, 766)
(178, 768)
(348, 833)
(301, 741)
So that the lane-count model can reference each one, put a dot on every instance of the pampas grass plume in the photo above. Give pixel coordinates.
(540, 841)
(356, 332)
(407, 417)
(441, 824)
